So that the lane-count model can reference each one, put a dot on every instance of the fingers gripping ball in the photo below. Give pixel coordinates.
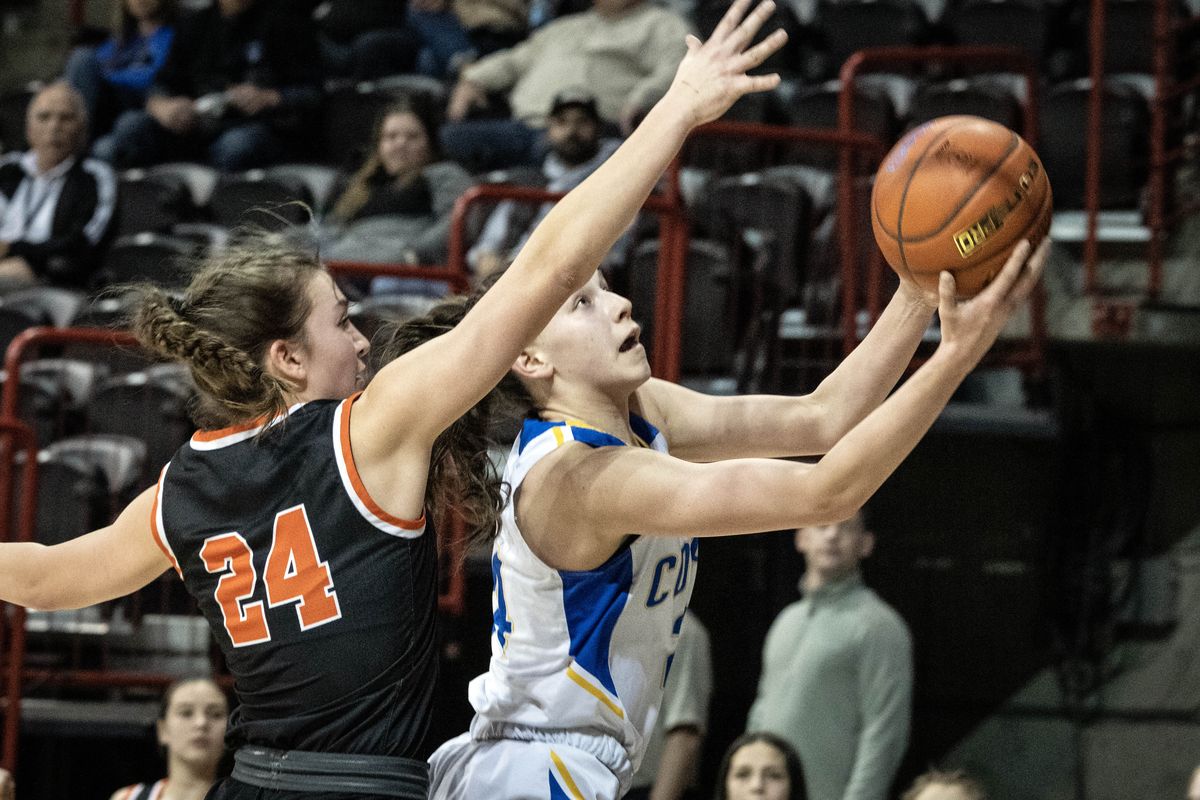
(958, 193)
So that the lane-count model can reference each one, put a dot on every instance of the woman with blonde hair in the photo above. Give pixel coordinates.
(300, 516)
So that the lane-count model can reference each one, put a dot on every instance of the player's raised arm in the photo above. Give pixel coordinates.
(564, 250)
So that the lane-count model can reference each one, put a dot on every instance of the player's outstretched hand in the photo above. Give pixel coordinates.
(970, 327)
(712, 76)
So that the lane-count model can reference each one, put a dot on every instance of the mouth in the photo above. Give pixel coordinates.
(631, 341)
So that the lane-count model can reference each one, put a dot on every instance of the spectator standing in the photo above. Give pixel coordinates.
(237, 90)
(837, 671)
(624, 51)
(55, 207)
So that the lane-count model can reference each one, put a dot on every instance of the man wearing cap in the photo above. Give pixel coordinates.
(624, 51)
(576, 149)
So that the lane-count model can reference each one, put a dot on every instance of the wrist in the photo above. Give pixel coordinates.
(677, 108)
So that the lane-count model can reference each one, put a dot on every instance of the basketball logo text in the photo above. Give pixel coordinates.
(974, 236)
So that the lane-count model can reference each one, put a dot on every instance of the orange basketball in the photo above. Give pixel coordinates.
(958, 193)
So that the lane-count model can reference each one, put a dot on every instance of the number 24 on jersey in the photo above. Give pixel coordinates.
(294, 574)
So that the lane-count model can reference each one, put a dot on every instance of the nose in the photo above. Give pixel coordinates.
(623, 308)
(362, 345)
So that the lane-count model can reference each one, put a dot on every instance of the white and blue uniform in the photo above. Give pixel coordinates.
(579, 659)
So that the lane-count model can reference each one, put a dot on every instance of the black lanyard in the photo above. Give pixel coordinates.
(31, 208)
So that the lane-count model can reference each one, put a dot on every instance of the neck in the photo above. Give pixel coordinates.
(45, 163)
(187, 781)
(814, 580)
(603, 414)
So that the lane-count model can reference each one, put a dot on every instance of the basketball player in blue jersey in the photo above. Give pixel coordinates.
(595, 554)
(298, 517)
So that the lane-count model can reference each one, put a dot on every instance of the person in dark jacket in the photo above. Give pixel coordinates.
(237, 90)
(55, 207)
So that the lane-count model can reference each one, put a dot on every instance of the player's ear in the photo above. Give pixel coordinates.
(530, 366)
(285, 361)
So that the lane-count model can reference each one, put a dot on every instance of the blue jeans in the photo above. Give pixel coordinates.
(486, 144)
(443, 38)
(138, 140)
(102, 99)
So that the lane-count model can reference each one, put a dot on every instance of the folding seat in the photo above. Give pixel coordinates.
(1023, 24)
(72, 496)
(258, 199)
(781, 211)
(989, 100)
(817, 107)
(200, 180)
(152, 202)
(71, 383)
(852, 25)
(13, 104)
(145, 405)
(164, 260)
(1125, 150)
(16, 318)
(319, 180)
(708, 334)
(420, 88)
(42, 405)
(58, 305)
(121, 459)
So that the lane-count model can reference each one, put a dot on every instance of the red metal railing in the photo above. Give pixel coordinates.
(668, 206)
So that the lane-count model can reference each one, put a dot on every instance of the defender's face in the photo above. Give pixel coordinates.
(335, 350)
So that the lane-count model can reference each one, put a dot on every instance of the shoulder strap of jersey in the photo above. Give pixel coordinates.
(539, 437)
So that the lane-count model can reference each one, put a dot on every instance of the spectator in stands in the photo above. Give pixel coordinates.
(116, 76)
(237, 90)
(191, 732)
(576, 149)
(837, 671)
(940, 785)
(1193, 792)
(670, 765)
(365, 39)
(760, 766)
(55, 207)
(624, 51)
(397, 206)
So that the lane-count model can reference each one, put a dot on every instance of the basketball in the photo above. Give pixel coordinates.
(958, 193)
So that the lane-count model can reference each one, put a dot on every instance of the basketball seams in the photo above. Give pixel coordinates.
(1015, 149)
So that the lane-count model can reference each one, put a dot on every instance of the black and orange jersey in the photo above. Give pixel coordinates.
(323, 603)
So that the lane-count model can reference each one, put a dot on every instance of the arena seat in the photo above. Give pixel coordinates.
(152, 202)
(148, 257)
(963, 96)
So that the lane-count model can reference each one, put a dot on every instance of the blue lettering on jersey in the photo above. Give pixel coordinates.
(689, 553)
(501, 624)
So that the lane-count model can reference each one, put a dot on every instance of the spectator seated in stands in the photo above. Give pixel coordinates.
(396, 208)
(55, 207)
(624, 51)
(937, 784)
(116, 76)
(760, 766)
(191, 732)
(576, 149)
(239, 87)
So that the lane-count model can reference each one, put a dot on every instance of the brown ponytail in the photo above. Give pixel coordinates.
(239, 301)
(463, 479)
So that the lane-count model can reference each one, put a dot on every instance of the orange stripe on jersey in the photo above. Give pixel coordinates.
(220, 433)
(159, 535)
(356, 481)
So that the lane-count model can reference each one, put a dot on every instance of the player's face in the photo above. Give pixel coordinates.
(833, 551)
(593, 341)
(334, 350)
(757, 771)
(193, 729)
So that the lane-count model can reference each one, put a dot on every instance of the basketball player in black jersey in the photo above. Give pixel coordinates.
(298, 517)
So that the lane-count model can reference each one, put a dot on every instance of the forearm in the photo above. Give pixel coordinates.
(865, 377)
(676, 768)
